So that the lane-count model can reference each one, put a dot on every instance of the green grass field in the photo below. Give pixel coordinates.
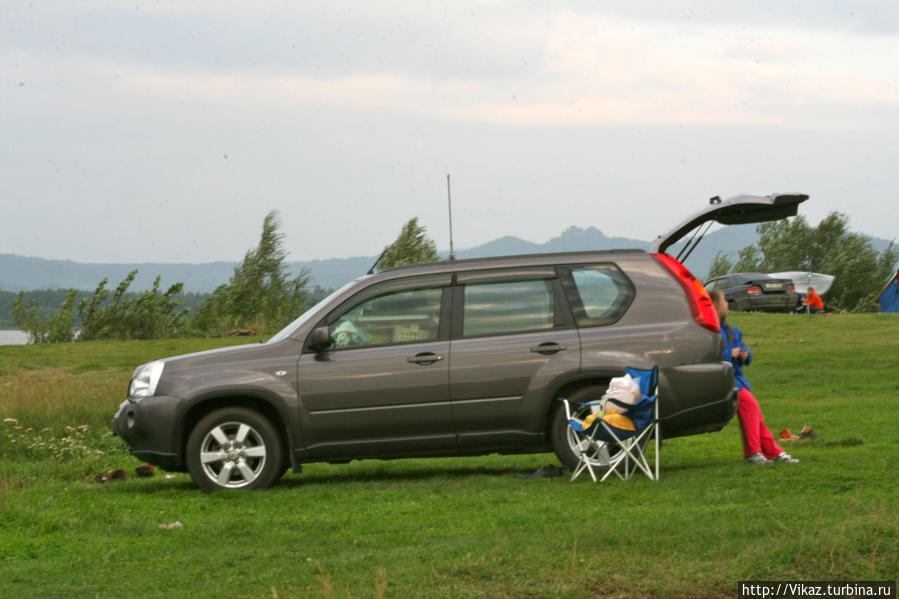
(460, 527)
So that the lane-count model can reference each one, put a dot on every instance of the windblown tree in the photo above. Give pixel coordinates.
(149, 315)
(829, 248)
(721, 265)
(411, 247)
(260, 295)
(57, 327)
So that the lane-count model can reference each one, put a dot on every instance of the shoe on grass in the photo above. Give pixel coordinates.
(757, 458)
(786, 458)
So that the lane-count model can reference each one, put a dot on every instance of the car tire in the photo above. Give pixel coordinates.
(234, 448)
(563, 440)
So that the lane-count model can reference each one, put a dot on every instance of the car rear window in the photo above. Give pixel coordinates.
(601, 294)
(508, 307)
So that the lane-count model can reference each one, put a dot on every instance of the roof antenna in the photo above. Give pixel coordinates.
(375, 265)
(449, 201)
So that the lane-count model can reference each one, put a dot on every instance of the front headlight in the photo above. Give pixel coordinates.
(145, 379)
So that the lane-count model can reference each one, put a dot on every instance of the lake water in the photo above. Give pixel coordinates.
(13, 337)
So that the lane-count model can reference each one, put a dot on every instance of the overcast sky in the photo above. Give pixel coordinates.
(164, 131)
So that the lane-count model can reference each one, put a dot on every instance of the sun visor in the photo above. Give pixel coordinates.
(738, 210)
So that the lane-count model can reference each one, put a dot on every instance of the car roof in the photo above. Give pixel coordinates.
(503, 261)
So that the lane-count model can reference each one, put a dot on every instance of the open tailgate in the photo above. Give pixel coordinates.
(738, 210)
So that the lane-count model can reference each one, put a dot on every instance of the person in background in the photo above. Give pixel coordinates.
(759, 446)
(811, 303)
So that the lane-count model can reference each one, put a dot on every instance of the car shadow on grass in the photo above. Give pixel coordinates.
(336, 475)
(146, 487)
(333, 475)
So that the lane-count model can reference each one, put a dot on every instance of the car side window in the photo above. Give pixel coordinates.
(508, 307)
(603, 294)
(398, 317)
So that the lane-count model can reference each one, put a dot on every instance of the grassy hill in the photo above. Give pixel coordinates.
(460, 527)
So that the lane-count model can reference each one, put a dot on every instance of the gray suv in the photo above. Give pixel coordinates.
(451, 358)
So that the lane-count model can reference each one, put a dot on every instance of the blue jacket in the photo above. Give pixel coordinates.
(735, 339)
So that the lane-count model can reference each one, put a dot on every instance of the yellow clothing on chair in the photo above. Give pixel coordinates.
(619, 421)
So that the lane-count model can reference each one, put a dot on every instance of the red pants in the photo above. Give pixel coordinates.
(756, 436)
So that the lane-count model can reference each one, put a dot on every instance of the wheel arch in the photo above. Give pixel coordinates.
(259, 402)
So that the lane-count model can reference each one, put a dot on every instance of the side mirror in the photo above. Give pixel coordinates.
(319, 339)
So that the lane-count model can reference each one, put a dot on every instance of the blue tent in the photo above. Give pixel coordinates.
(889, 297)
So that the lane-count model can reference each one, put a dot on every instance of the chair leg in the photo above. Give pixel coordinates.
(577, 470)
(630, 457)
(583, 464)
(658, 434)
(639, 457)
(614, 468)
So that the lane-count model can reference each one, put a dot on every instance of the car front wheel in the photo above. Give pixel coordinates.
(234, 448)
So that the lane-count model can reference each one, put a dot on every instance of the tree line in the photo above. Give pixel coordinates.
(260, 298)
(48, 302)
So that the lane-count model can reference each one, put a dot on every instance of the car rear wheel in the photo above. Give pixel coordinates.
(566, 445)
(234, 448)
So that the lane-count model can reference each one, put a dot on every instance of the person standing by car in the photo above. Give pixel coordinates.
(811, 303)
(759, 446)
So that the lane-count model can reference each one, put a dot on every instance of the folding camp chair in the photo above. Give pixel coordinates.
(602, 445)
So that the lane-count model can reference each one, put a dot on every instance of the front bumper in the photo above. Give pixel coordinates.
(148, 427)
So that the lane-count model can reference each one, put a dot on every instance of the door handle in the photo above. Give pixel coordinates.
(548, 348)
(425, 358)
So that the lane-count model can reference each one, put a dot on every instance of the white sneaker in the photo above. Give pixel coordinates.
(757, 458)
(785, 457)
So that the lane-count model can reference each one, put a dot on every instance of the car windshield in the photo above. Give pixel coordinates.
(309, 314)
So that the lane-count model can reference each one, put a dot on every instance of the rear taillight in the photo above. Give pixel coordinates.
(753, 290)
(700, 303)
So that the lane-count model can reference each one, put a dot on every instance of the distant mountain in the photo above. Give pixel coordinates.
(23, 273)
(572, 239)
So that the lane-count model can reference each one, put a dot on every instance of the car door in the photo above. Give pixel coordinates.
(513, 337)
(382, 388)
